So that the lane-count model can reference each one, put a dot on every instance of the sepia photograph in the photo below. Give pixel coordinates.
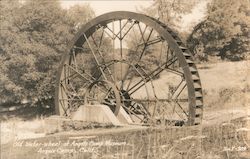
(124, 79)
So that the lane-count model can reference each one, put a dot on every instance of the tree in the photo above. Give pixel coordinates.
(34, 35)
(7, 36)
(79, 15)
(225, 31)
(170, 11)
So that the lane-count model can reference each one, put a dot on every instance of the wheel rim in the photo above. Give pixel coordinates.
(133, 52)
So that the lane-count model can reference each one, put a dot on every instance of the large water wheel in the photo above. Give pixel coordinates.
(131, 61)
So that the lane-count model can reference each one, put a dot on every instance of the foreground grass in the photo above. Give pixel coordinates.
(225, 140)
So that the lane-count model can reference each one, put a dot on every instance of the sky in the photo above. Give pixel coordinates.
(103, 6)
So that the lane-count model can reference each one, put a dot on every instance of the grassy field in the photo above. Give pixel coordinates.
(225, 132)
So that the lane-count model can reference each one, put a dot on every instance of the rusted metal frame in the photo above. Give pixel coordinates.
(142, 112)
(144, 80)
(142, 76)
(64, 109)
(130, 81)
(107, 65)
(96, 87)
(112, 62)
(144, 48)
(181, 91)
(80, 48)
(175, 72)
(121, 28)
(83, 61)
(93, 78)
(108, 92)
(182, 109)
(169, 69)
(161, 52)
(178, 86)
(145, 77)
(112, 87)
(94, 84)
(167, 55)
(74, 90)
(74, 58)
(171, 54)
(155, 106)
(103, 28)
(73, 76)
(124, 78)
(173, 66)
(152, 73)
(145, 84)
(122, 82)
(142, 36)
(103, 60)
(165, 110)
(76, 70)
(100, 43)
(81, 75)
(113, 47)
(162, 108)
(97, 62)
(142, 32)
(157, 73)
(129, 112)
(63, 104)
(61, 83)
(116, 35)
(136, 51)
(68, 77)
(145, 44)
(68, 93)
(154, 41)
(145, 111)
(175, 100)
(128, 31)
(149, 75)
(120, 39)
(153, 87)
(133, 113)
(147, 40)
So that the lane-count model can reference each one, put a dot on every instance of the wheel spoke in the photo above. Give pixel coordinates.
(81, 75)
(151, 42)
(119, 33)
(182, 109)
(153, 74)
(103, 60)
(93, 53)
(145, 44)
(142, 32)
